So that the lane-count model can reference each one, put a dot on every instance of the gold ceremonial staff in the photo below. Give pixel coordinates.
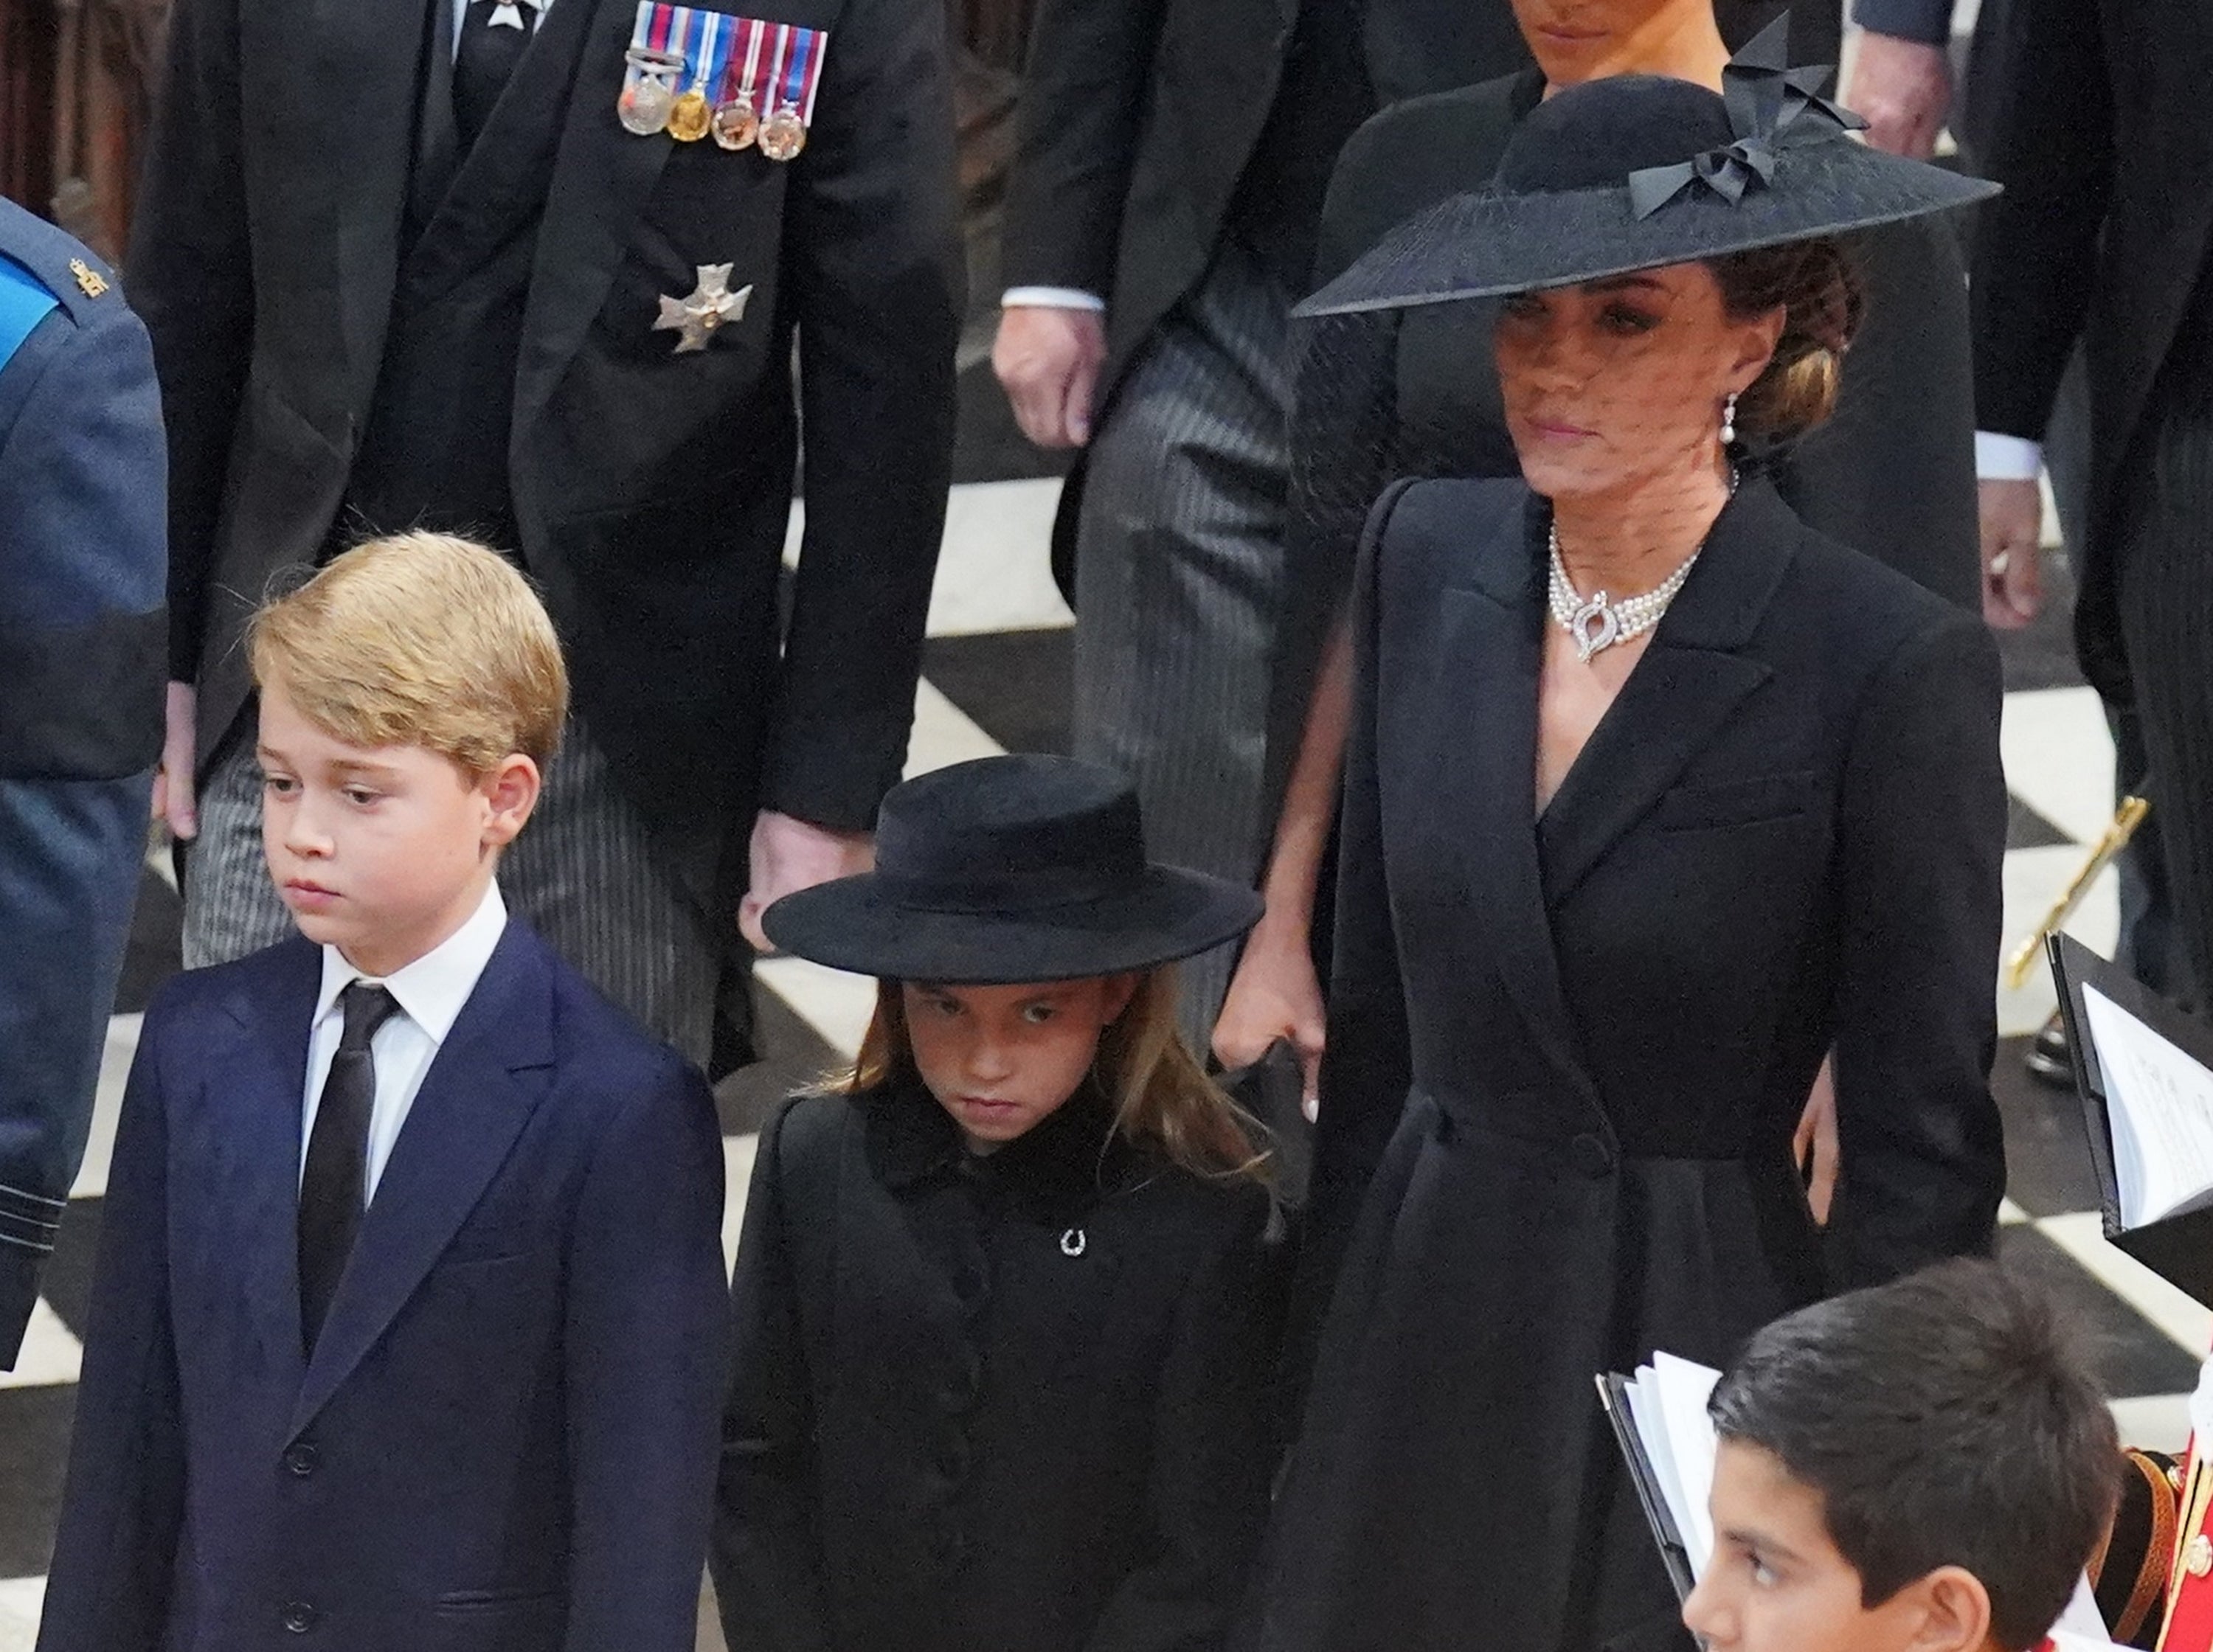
(2127, 820)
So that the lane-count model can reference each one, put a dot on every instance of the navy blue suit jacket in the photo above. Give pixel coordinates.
(83, 560)
(506, 1437)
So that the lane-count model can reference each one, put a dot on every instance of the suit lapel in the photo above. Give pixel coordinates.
(483, 1086)
(1678, 697)
(1491, 657)
(263, 1089)
(604, 176)
(504, 181)
(356, 134)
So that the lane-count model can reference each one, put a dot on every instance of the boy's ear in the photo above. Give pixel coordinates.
(1955, 1615)
(511, 789)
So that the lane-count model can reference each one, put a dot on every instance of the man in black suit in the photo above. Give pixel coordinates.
(2105, 233)
(406, 265)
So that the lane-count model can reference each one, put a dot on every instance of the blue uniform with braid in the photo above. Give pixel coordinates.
(84, 568)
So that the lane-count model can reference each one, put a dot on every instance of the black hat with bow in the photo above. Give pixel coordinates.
(1636, 171)
(1010, 869)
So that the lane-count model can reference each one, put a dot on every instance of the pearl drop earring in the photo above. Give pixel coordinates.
(1729, 420)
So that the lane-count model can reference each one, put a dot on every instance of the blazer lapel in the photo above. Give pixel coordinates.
(604, 177)
(1492, 655)
(263, 1088)
(483, 1085)
(1680, 695)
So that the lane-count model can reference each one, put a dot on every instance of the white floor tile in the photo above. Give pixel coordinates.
(19, 1612)
(737, 1176)
(2153, 1423)
(943, 734)
(115, 1069)
(2059, 758)
(51, 1354)
(2034, 879)
(835, 1004)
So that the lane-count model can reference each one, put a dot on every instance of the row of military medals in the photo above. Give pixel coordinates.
(732, 116)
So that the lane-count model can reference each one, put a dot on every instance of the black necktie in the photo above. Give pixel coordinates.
(334, 1187)
(485, 60)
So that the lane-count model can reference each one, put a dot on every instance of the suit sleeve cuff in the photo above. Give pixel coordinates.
(1929, 21)
(2007, 458)
(1058, 298)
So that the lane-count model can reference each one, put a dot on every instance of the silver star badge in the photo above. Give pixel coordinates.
(695, 317)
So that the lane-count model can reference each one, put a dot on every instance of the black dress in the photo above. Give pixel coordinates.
(1393, 394)
(1567, 1052)
(1011, 1404)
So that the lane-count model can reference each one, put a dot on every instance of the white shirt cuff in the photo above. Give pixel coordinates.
(1056, 298)
(2007, 458)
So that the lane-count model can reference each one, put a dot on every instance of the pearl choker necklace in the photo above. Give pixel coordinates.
(1597, 623)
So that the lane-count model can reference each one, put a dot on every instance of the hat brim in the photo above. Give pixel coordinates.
(862, 924)
(1486, 243)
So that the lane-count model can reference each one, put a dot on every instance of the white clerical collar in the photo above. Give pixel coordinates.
(431, 990)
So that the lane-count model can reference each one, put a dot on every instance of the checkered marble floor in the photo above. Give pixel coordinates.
(997, 679)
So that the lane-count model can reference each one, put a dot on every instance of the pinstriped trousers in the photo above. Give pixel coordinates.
(1179, 571)
(584, 873)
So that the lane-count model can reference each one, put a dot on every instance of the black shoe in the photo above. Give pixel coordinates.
(2050, 1059)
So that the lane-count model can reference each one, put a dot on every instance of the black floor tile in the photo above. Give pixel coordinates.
(34, 1426)
(2129, 1355)
(2047, 1151)
(156, 952)
(793, 1055)
(66, 1283)
(2027, 829)
(988, 447)
(2043, 654)
(1014, 684)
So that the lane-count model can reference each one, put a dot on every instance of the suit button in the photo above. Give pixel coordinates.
(302, 1460)
(1590, 1155)
(299, 1617)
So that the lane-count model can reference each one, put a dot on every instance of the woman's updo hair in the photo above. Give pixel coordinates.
(1818, 286)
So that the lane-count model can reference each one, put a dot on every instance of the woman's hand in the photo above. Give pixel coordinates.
(1274, 995)
(1813, 1148)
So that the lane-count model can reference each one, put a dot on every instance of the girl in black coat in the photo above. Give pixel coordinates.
(1005, 1299)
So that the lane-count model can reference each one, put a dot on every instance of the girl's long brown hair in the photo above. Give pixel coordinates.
(1160, 1094)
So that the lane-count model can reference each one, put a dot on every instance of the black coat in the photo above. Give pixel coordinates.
(651, 489)
(1014, 1404)
(1415, 393)
(1567, 1053)
(2096, 128)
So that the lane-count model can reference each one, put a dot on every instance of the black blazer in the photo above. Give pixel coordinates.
(1567, 1053)
(1017, 1402)
(2096, 128)
(651, 488)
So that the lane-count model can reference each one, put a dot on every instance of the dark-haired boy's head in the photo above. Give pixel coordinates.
(1925, 1466)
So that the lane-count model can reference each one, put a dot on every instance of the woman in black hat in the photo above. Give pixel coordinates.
(1654, 798)
(1389, 393)
(1005, 1304)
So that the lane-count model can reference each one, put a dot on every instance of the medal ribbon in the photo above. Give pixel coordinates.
(732, 82)
(822, 44)
(796, 77)
(665, 20)
(711, 46)
(764, 93)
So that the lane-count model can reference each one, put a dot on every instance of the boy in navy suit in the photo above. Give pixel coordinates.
(408, 1329)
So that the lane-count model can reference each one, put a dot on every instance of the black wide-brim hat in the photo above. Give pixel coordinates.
(1636, 171)
(1009, 870)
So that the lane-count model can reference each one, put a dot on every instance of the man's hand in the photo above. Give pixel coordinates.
(1274, 995)
(1048, 358)
(2013, 577)
(1903, 89)
(789, 854)
(1813, 1147)
(174, 799)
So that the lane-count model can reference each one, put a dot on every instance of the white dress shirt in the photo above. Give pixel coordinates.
(2007, 458)
(461, 11)
(1051, 298)
(429, 992)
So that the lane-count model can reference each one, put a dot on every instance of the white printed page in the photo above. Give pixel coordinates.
(1685, 1388)
(2160, 1103)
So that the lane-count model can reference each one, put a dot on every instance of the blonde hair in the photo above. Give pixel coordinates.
(420, 639)
(1160, 1094)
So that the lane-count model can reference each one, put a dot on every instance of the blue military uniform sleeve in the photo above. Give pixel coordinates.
(83, 636)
